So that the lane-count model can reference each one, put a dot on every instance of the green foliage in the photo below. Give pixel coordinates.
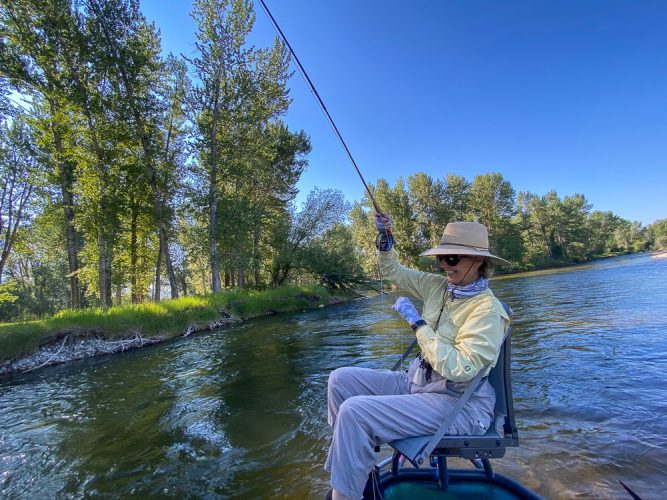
(130, 175)
(661, 242)
(248, 162)
(295, 238)
(530, 231)
(330, 258)
(363, 236)
(7, 294)
(657, 232)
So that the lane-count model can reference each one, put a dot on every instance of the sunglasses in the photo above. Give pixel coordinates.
(451, 260)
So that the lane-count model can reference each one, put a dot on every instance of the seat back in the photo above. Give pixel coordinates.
(502, 432)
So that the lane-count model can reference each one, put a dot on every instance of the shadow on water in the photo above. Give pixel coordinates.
(242, 412)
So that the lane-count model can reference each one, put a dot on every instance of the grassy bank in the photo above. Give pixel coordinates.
(167, 319)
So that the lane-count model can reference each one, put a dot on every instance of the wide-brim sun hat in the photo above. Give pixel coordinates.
(465, 238)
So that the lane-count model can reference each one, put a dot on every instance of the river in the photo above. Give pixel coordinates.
(241, 413)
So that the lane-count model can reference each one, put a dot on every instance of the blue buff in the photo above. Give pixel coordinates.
(405, 308)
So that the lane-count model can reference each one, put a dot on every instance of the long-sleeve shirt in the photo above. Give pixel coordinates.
(470, 331)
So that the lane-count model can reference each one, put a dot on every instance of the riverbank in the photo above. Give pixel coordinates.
(77, 334)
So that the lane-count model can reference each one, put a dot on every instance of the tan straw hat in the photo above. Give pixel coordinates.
(465, 238)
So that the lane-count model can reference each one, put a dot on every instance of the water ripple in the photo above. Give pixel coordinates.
(241, 413)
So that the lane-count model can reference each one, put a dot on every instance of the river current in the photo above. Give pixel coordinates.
(241, 412)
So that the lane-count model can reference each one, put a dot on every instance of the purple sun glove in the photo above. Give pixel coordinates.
(405, 308)
(382, 222)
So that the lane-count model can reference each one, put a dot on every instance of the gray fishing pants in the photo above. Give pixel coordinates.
(370, 407)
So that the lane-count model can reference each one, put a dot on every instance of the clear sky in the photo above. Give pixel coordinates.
(567, 95)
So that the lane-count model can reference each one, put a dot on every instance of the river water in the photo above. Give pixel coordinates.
(241, 413)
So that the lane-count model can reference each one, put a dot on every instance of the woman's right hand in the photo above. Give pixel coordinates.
(382, 222)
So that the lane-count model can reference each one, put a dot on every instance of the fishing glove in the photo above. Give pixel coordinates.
(384, 240)
(409, 313)
(382, 222)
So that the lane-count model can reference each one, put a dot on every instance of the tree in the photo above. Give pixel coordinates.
(657, 233)
(249, 160)
(220, 39)
(122, 38)
(173, 131)
(31, 59)
(429, 204)
(492, 203)
(535, 226)
(363, 236)
(396, 202)
(321, 211)
(36, 270)
(331, 257)
(18, 176)
(457, 196)
(601, 227)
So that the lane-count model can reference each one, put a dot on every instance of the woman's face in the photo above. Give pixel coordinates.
(460, 269)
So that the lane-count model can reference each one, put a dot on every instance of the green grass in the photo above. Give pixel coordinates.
(168, 319)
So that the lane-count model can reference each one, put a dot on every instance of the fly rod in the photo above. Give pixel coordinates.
(321, 103)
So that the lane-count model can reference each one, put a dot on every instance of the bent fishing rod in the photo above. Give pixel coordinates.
(322, 105)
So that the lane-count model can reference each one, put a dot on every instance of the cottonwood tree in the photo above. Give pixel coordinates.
(249, 162)
(457, 195)
(492, 203)
(31, 59)
(122, 38)
(222, 28)
(430, 208)
(657, 232)
(321, 211)
(331, 258)
(19, 173)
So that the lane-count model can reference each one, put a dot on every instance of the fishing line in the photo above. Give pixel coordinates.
(324, 109)
(308, 81)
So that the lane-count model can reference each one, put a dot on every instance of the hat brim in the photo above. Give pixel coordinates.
(464, 250)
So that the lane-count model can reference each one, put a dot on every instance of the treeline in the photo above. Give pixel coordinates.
(125, 172)
(532, 231)
(126, 176)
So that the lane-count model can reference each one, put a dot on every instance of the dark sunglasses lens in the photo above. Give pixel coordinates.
(452, 260)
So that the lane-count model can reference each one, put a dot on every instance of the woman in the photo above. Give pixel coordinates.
(460, 332)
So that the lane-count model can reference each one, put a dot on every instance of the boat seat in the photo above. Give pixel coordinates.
(500, 435)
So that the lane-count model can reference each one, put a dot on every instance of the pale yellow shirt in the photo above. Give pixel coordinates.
(470, 331)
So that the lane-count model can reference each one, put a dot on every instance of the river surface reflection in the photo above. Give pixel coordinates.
(241, 413)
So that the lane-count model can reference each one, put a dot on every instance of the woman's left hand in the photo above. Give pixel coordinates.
(407, 310)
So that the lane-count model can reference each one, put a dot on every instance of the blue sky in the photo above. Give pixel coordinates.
(564, 95)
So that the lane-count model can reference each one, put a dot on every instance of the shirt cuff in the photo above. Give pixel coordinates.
(417, 324)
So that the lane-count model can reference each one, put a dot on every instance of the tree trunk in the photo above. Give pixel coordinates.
(184, 285)
(14, 215)
(104, 267)
(241, 278)
(213, 198)
(255, 253)
(158, 273)
(134, 295)
(149, 156)
(65, 172)
(119, 293)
